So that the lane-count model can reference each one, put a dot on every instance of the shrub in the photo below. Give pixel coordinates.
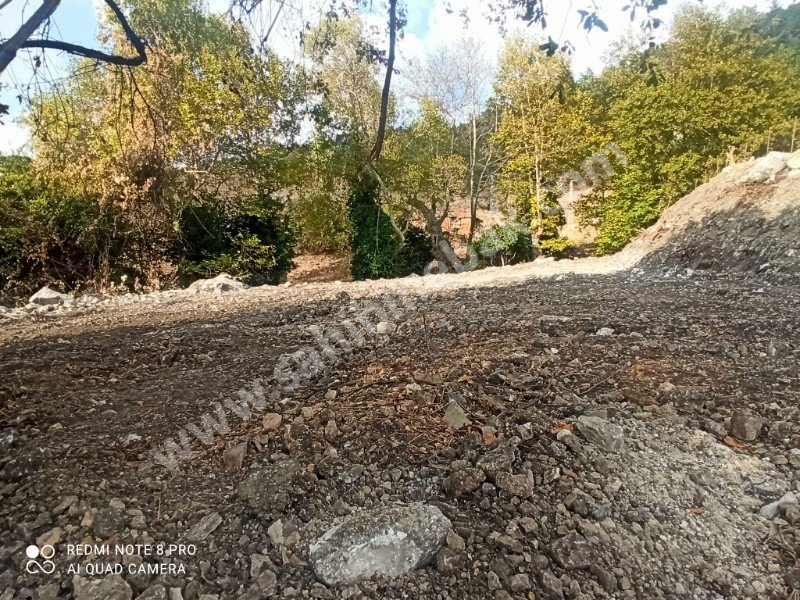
(416, 253)
(48, 237)
(375, 242)
(557, 247)
(505, 244)
(254, 242)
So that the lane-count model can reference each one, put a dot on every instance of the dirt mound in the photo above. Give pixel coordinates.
(745, 220)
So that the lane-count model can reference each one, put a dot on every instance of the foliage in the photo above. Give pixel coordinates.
(505, 244)
(375, 243)
(416, 252)
(48, 237)
(557, 247)
(255, 243)
(720, 89)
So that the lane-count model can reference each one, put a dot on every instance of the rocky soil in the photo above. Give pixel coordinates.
(594, 429)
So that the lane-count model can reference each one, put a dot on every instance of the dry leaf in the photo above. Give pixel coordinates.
(733, 443)
(559, 426)
(696, 510)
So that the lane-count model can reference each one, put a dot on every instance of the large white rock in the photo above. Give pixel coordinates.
(794, 161)
(220, 283)
(766, 168)
(387, 541)
(47, 296)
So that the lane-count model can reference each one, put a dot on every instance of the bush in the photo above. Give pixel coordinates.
(416, 253)
(557, 247)
(505, 244)
(254, 242)
(375, 242)
(48, 237)
(317, 214)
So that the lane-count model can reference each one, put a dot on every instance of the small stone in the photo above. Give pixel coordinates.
(519, 583)
(464, 481)
(266, 487)
(154, 592)
(51, 538)
(330, 395)
(499, 460)
(601, 433)
(493, 581)
(233, 457)
(283, 533)
(573, 551)
(271, 421)
(604, 332)
(455, 541)
(519, 485)
(455, 416)
(552, 324)
(447, 560)
(606, 578)
(745, 426)
(331, 431)
(259, 562)
(386, 328)
(551, 585)
(204, 527)
(108, 522)
(773, 510)
(174, 594)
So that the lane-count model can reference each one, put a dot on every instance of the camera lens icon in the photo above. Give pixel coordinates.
(34, 553)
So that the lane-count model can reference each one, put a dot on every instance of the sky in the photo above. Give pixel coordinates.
(429, 26)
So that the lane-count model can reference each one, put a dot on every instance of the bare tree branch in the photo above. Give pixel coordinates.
(21, 39)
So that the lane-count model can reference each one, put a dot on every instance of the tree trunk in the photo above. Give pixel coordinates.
(387, 83)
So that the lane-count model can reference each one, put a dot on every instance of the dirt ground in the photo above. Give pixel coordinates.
(674, 514)
(618, 427)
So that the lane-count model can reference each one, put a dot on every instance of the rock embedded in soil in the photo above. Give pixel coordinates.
(773, 510)
(387, 541)
(112, 587)
(266, 487)
(48, 297)
(221, 283)
(766, 168)
(464, 481)
(573, 551)
(204, 527)
(745, 426)
(601, 433)
(455, 416)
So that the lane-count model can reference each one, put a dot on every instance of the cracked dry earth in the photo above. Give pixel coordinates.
(565, 437)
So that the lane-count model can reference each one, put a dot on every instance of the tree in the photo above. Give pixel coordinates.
(194, 126)
(538, 130)
(719, 90)
(459, 78)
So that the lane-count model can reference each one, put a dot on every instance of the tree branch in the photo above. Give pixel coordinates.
(8, 49)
